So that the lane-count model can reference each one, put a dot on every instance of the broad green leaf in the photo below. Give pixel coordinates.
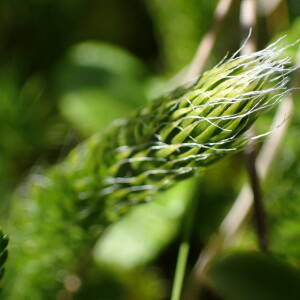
(139, 236)
(98, 83)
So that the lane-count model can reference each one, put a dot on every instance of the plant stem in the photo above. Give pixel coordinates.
(258, 207)
(248, 17)
(180, 270)
(208, 41)
(184, 248)
(205, 45)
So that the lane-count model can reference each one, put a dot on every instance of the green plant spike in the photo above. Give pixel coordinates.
(3, 252)
(165, 141)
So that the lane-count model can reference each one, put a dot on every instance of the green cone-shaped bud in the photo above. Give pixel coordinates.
(170, 138)
(163, 142)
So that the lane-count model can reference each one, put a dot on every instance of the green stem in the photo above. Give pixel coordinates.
(184, 250)
(180, 270)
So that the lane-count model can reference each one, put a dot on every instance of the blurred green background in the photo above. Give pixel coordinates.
(68, 68)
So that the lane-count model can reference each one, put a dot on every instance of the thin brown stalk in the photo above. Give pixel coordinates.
(248, 15)
(208, 41)
(259, 213)
(206, 44)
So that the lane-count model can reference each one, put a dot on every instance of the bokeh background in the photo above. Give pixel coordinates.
(68, 68)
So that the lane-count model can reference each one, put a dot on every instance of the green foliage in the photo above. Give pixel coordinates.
(291, 37)
(175, 21)
(71, 67)
(253, 275)
(98, 83)
(29, 128)
(158, 222)
(284, 199)
(124, 284)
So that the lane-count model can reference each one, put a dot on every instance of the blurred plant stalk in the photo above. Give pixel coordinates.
(205, 46)
(208, 41)
(248, 16)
